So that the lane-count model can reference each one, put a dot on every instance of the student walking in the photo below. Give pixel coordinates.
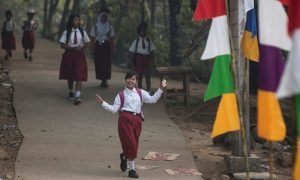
(141, 51)
(73, 65)
(8, 36)
(102, 38)
(128, 103)
(28, 39)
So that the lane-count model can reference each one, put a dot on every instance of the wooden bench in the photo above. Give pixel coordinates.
(184, 71)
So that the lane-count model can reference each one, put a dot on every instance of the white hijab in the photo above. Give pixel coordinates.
(103, 27)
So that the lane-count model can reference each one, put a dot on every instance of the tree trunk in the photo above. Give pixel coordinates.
(44, 33)
(124, 9)
(174, 6)
(103, 4)
(63, 20)
(76, 7)
(47, 31)
(53, 6)
(165, 14)
(142, 10)
(153, 10)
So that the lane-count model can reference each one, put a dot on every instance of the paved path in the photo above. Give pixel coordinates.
(63, 141)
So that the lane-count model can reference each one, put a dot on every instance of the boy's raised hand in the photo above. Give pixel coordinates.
(99, 99)
(163, 83)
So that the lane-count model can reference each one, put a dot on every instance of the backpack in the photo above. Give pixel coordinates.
(122, 98)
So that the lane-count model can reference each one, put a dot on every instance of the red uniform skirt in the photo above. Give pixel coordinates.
(73, 66)
(129, 128)
(28, 40)
(8, 40)
(142, 63)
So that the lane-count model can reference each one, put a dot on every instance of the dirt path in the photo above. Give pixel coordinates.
(63, 141)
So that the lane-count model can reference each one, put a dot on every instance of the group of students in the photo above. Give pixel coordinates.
(74, 67)
(28, 38)
(128, 102)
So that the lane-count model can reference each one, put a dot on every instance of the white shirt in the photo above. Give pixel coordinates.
(140, 49)
(132, 100)
(30, 25)
(9, 25)
(80, 43)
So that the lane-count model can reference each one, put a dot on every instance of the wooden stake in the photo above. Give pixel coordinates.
(271, 159)
(240, 108)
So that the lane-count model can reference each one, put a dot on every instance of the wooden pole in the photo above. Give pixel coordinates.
(271, 159)
(241, 79)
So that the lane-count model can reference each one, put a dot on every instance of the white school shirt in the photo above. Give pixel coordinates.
(80, 43)
(132, 100)
(30, 25)
(9, 25)
(101, 36)
(140, 49)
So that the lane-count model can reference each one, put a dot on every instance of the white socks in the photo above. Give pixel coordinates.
(131, 165)
(77, 93)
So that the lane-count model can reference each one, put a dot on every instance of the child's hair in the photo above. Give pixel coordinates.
(130, 74)
(142, 26)
(70, 25)
(8, 12)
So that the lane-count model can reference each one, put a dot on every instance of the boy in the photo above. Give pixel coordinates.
(28, 39)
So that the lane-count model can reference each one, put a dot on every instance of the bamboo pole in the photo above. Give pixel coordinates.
(271, 159)
(240, 109)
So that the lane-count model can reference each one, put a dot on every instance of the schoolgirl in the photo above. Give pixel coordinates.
(129, 103)
(73, 65)
(102, 38)
(8, 36)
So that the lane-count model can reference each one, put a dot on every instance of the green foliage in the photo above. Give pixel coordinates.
(19, 9)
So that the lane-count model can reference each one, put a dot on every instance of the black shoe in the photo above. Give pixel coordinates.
(123, 164)
(71, 95)
(6, 57)
(77, 101)
(104, 84)
(132, 174)
(25, 55)
(30, 58)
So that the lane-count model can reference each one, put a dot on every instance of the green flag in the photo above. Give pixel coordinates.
(221, 80)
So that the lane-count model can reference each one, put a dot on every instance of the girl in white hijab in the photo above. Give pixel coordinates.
(102, 34)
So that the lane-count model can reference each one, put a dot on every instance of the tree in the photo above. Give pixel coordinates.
(142, 4)
(63, 21)
(48, 14)
(76, 6)
(153, 10)
(174, 6)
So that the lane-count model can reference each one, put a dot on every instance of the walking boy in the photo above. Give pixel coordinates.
(28, 39)
(142, 55)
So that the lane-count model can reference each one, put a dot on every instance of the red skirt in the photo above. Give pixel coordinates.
(28, 40)
(73, 66)
(142, 63)
(8, 40)
(129, 128)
